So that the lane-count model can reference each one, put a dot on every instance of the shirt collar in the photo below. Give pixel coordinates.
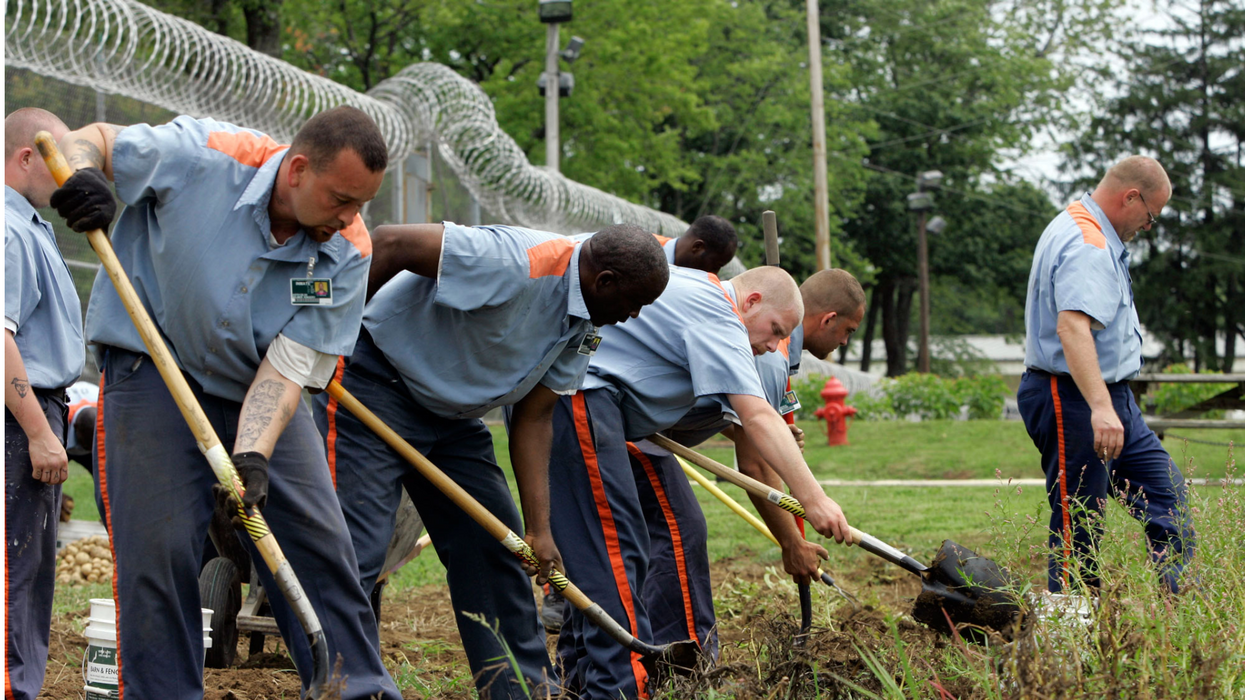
(1113, 238)
(20, 205)
(730, 291)
(258, 194)
(575, 304)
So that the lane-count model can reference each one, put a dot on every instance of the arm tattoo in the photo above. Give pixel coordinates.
(22, 387)
(84, 154)
(261, 407)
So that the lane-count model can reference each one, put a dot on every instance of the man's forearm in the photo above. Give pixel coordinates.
(19, 396)
(90, 147)
(1082, 358)
(269, 405)
(773, 441)
(780, 522)
(530, 442)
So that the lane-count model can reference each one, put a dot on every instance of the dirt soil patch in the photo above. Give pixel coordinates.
(757, 640)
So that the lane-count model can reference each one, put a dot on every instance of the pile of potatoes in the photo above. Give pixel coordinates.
(85, 561)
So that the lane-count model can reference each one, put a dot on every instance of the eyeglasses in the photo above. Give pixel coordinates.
(1153, 220)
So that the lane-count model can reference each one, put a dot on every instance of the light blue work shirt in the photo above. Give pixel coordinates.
(40, 297)
(194, 238)
(687, 344)
(507, 312)
(1080, 264)
(668, 246)
(713, 414)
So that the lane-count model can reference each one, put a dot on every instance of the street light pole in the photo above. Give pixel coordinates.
(552, 142)
(922, 261)
(821, 197)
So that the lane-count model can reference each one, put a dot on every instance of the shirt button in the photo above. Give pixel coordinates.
(243, 289)
(224, 324)
(212, 350)
(208, 372)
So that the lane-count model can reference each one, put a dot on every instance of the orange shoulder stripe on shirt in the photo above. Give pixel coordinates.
(662, 240)
(244, 147)
(1091, 230)
(550, 258)
(714, 279)
(356, 233)
(784, 347)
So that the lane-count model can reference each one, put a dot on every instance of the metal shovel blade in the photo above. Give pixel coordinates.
(678, 658)
(973, 590)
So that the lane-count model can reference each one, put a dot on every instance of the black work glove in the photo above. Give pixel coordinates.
(253, 471)
(85, 201)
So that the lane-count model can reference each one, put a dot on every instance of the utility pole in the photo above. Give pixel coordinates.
(922, 201)
(552, 140)
(821, 197)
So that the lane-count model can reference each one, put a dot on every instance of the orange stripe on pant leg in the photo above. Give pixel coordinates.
(676, 538)
(1063, 480)
(330, 440)
(102, 474)
(609, 529)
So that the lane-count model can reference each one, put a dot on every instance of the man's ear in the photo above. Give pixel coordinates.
(698, 246)
(299, 166)
(605, 280)
(750, 300)
(828, 318)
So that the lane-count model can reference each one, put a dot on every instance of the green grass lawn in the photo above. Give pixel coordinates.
(915, 518)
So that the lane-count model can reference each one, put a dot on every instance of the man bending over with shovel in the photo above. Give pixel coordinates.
(475, 318)
(678, 589)
(252, 260)
(698, 339)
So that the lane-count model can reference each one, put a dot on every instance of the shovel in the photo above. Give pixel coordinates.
(960, 587)
(205, 436)
(680, 657)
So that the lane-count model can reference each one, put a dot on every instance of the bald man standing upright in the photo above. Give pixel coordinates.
(1082, 345)
(43, 354)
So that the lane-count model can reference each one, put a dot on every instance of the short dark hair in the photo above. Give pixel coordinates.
(330, 131)
(717, 233)
(834, 290)
(634, 255)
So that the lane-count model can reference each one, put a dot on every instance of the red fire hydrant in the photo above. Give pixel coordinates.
(835, 412)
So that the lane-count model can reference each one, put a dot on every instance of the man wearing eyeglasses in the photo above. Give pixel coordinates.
(1082, 345)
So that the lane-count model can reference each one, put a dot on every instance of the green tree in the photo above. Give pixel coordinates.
(953, 86)
(1180, 101)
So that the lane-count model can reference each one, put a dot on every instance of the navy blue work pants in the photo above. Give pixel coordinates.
(678, 593)
(484, 577)
(599, 527)
(1078, 484)
(31, 513)
(154, 487)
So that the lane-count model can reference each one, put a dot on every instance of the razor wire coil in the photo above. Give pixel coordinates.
(124, 47)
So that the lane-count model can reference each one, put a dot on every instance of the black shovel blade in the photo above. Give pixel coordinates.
(971, 589)
(678, 658)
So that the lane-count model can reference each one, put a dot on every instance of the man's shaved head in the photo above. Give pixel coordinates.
(832, 290)
(834, 306)
(24, 169)
(1141, 172)
(771, 306)
(1132, 195)
(21, 126)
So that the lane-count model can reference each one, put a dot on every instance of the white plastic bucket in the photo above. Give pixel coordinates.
(99, 663)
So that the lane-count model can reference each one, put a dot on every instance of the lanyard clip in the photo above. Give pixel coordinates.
(311, 266)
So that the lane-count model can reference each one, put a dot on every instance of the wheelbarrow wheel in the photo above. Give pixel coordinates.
(220, 589)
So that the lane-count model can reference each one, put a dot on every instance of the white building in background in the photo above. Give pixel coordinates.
(1005, 351)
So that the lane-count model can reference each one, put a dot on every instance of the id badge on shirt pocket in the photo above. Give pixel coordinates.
(590, 343)
(789, 403)
(311, 291)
